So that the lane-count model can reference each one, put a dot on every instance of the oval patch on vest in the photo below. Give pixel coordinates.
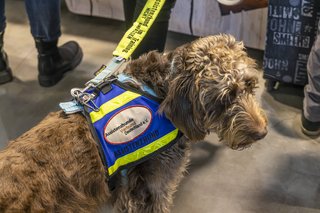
(127, 124)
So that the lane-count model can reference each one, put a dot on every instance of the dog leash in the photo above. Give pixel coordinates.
(127, 45)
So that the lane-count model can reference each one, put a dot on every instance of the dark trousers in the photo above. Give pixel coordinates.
(44, 18)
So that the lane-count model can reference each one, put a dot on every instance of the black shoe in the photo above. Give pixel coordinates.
(310, 128)
(5, 71)
(53, 62)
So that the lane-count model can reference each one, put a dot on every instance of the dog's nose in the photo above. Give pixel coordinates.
(259, 135)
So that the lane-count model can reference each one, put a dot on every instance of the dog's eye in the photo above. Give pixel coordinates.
(249, 83)
(250, 86)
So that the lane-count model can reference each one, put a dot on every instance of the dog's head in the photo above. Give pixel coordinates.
(211, 89)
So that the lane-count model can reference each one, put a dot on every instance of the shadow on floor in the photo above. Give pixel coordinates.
(203, 153)
(295, 183)
(27, 103)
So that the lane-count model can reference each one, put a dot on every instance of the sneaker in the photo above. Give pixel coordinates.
(5, 71)
(310, 128)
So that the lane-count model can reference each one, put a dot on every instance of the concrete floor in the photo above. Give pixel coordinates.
(279, 174)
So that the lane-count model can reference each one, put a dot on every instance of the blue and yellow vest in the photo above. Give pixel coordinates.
(128, 126)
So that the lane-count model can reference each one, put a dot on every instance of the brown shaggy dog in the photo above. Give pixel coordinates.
(207, 86)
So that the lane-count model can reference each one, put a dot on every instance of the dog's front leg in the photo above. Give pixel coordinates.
(150, 185)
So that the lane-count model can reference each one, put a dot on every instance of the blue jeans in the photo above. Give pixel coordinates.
(44, 18)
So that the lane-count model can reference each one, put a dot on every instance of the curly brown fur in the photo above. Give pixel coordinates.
(207, 86)
(54, 167)
(151, 185)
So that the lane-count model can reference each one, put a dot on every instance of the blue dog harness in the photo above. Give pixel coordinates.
(127, 126)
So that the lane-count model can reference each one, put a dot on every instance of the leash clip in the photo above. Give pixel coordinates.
(84, 97)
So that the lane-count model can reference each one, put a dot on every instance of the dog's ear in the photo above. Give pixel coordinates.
(178, 108)
(180, 105)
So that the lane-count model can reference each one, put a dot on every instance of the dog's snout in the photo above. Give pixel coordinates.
(259, 135)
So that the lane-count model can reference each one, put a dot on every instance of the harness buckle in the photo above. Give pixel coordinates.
(84, 98)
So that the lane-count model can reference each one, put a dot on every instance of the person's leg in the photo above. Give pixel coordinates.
(129, 8)
(2, 16)
(311, 102)
(5, 71)
(155, 39)
(53, 62)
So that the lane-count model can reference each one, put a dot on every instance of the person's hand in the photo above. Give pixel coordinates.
(236, 6)
(229, 2)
